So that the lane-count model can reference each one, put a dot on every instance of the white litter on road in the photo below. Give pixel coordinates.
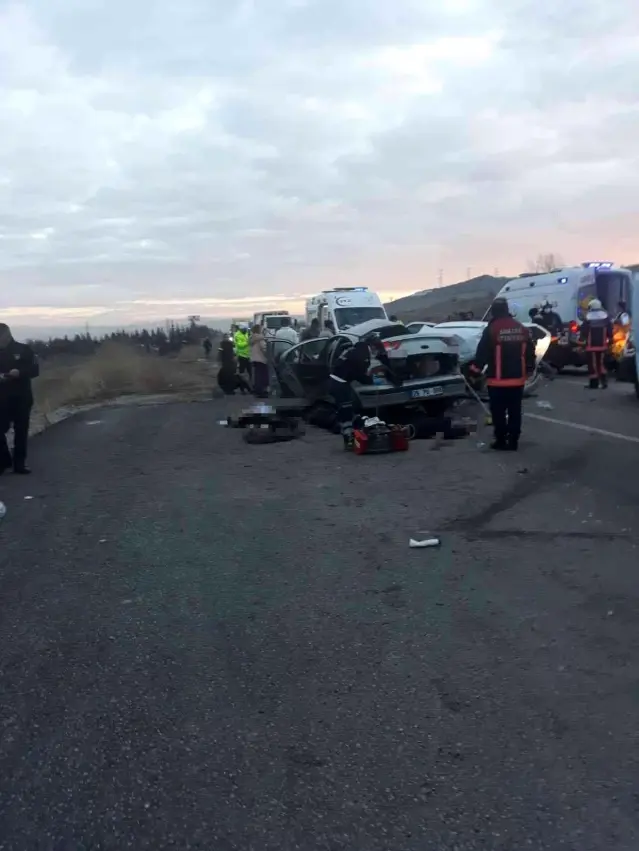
(545, 405)
(28, 497)
(3, 510)
(429, 542)
(580, 427)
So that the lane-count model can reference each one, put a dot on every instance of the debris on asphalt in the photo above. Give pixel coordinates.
(481, 445)
(426, 542)
(3, 510)
(372, 436)
(546, 406)
(28, 497)
(273, 432)
(523, 471)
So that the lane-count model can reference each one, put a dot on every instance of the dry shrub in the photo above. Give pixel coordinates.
(115, 370)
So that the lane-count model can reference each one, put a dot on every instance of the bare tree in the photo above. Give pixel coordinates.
(546, 263)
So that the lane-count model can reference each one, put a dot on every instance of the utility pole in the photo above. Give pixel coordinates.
(468, 272)
(495, 272)
(440, 277)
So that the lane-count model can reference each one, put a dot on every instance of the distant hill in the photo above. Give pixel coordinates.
(437, 304)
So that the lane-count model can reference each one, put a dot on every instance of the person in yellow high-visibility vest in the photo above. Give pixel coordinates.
(242, 346)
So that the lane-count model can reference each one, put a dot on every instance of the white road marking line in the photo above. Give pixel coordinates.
(581, 427)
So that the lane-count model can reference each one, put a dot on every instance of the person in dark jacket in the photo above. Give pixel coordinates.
(228, 378)
(18, 365)
(353, 364)
(596, 334)
(311, 332)
(328, 330)
(507, 350)
(550, 319)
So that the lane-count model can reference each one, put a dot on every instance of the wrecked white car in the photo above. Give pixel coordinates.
(469, 334)
(425, 364)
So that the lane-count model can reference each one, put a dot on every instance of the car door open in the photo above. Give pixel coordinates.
(304, 368)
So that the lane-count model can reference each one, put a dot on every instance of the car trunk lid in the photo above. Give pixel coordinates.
(425, 355)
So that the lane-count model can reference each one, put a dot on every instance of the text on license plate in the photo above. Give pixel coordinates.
(426, 392)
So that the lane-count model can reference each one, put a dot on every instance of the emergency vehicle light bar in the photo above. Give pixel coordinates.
(598, 265)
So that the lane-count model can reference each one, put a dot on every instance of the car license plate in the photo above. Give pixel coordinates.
(426, 392)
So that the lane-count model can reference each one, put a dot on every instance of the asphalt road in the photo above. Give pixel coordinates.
(211, 646)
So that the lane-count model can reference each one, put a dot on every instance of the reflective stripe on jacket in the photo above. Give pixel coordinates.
(507, 349)
(241, 344)
(596, 331)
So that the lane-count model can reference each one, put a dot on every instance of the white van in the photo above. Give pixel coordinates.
(345, 307)
(569, 290)
(270, 321)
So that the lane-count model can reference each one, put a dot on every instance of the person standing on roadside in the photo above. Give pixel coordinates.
(328, 330)
(259, 363)
(285, 337)
(242, 349)
(18, 365)
(311, 332)
(507, 350)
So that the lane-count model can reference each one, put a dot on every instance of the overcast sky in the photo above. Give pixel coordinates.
(210, 156)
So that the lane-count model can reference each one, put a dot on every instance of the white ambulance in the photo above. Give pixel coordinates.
(345, 307)
(569, 290)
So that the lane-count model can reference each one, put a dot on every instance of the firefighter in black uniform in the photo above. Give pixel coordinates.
(550, 319)
(353, 364)
(18, 365)
(596, 334)
(508, 351)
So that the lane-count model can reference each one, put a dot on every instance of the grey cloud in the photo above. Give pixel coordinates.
(213, 148)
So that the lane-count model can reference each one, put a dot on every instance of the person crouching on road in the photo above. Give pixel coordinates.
(242, 349)
(228, 379)
(507, 349)
(596, 333)
(353, 365)
(259, 363)
(18, 365)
